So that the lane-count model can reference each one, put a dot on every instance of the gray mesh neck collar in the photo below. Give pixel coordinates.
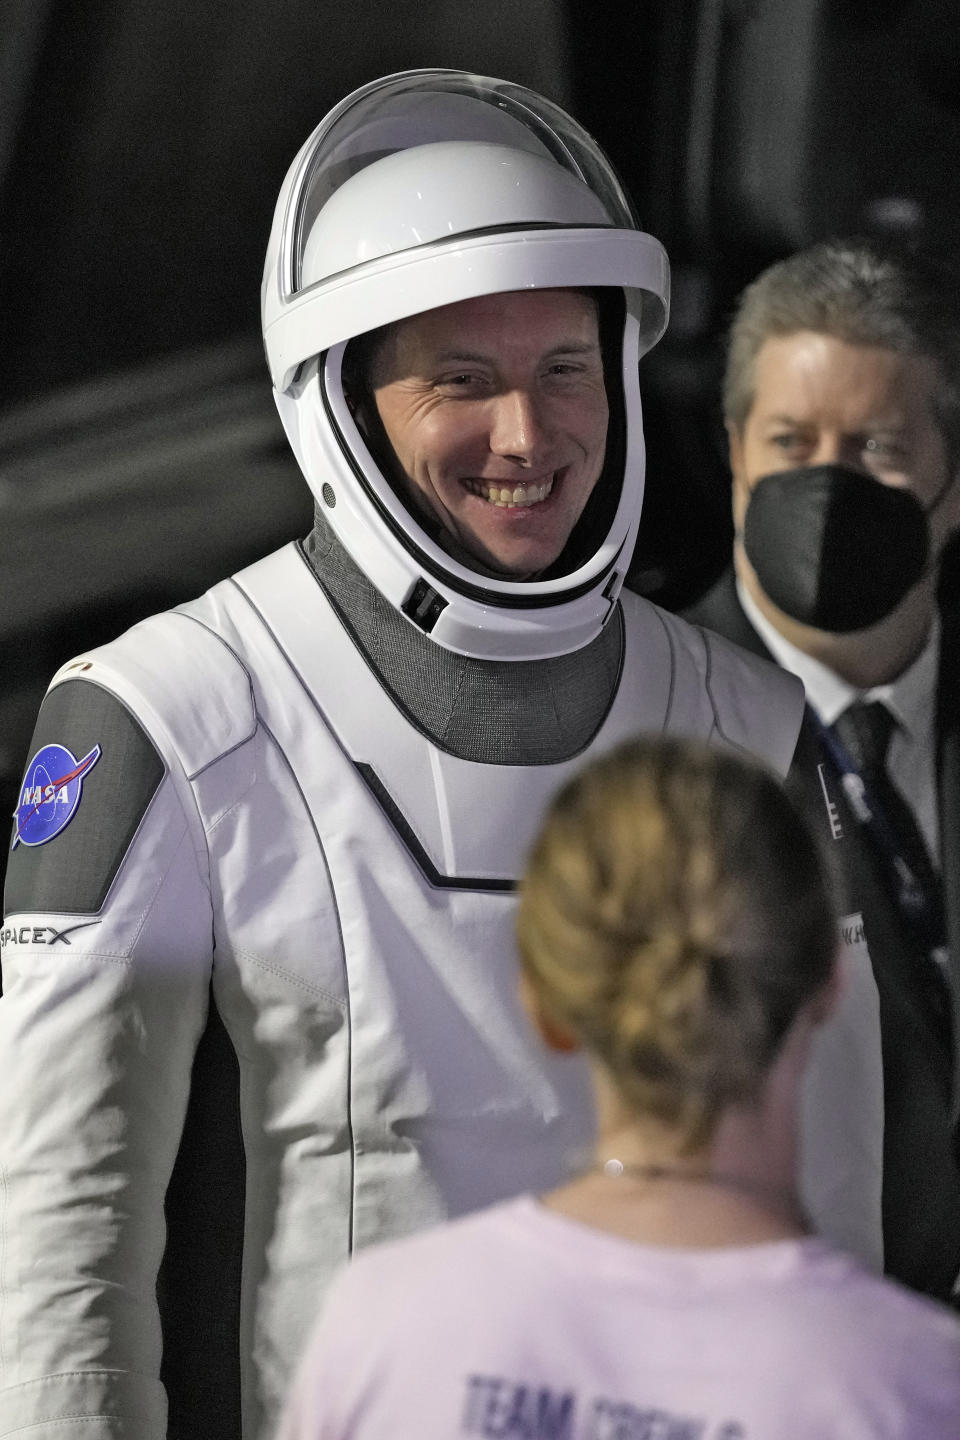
(532, 712)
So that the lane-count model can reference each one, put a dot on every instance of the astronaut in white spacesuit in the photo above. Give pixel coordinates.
(299, 803)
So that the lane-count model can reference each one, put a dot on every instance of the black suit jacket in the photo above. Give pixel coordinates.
(921, 1161)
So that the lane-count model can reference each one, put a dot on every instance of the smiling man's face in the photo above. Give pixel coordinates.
(497, 413)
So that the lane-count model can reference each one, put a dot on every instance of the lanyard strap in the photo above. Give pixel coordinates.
(919, 906)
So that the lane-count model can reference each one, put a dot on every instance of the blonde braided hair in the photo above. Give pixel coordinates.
(675, 915)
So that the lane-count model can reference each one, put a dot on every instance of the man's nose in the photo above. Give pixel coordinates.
(838, 449)
(518, 428)
(829, 450)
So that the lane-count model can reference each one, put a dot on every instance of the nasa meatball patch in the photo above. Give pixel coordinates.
(50, 794)
(91, 775)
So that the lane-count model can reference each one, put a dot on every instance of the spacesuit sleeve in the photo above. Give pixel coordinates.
(842, 1104)
(106, 966)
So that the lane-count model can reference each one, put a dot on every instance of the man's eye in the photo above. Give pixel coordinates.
(573, 370)
(886, 451)
(785, 441)
(463, 380)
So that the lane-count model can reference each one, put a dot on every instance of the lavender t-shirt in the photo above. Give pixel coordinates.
(519, 1324)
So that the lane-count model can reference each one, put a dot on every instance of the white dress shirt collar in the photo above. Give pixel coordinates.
(908, 698)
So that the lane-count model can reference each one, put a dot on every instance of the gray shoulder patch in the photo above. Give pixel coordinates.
(91, 774)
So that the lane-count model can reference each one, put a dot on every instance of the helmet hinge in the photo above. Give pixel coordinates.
(424, 605)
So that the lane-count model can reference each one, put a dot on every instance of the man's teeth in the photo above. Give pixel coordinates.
(509, 495)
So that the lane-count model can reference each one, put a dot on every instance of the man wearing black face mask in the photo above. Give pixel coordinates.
(842, 407)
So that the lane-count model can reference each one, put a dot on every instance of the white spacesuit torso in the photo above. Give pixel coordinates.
(347, 885)
(253, 798)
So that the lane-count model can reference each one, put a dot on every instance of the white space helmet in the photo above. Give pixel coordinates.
(419, 190)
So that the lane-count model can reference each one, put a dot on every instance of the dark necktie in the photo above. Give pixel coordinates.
(865, 729)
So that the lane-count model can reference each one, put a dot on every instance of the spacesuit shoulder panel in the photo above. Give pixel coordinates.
(757, 706)
(189, 688)
(747, 702)
(168, 696)
(90, 777)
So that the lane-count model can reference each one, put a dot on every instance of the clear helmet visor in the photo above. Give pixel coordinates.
(437, 108)
(435, 186)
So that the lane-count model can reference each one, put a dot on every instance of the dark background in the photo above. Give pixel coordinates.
(142, 146)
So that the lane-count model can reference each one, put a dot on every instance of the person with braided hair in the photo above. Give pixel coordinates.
(673, 1287)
